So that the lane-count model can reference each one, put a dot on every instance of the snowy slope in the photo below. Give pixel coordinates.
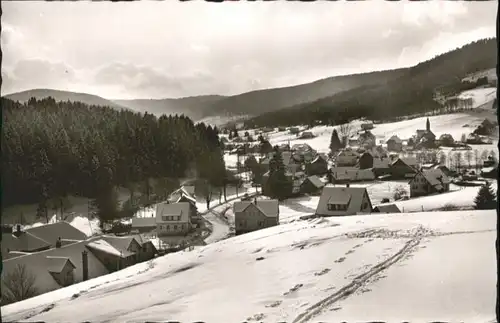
(392, 267)
(449, 123)
(479, 96)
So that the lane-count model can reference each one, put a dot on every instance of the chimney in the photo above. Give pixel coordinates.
(85, 266)
(255, 201)
(58, 242)
(347, 185)
(18, 231)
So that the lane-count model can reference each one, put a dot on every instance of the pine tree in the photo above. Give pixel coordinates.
(485, 199)
(335, 143)
(278, 185)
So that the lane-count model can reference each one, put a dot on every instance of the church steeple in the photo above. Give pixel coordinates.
(428, 125)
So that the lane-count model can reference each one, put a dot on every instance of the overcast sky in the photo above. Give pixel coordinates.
(173, 49)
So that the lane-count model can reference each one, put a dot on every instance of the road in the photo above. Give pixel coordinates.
(220, 227)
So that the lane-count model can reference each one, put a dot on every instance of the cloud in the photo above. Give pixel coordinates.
(161, 49)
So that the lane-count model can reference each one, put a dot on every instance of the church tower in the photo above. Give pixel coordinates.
(428, 125)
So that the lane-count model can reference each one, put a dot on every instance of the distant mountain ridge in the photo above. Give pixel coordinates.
(59, 95)
(190, 106)
(357, 90)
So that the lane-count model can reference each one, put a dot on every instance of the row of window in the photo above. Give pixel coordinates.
(171, 218)
(173, 227)
(243, 223)
(337, 207)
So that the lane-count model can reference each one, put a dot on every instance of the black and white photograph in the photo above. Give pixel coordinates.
(249, 161)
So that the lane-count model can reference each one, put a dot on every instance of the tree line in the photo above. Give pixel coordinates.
(52, 150)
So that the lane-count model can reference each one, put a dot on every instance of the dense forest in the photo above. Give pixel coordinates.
(51, 150)
(412, 92)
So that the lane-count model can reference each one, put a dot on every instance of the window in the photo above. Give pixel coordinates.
(175, 227)
(259, 223)
(167, 227)
(164, 218)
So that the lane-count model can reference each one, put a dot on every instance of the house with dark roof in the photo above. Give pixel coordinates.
(404, 167)
(173, 219)
(312, 185)
(342, 201)
(428, 182)
(73, 263)
(346, 157)
(386, 208)
(365, 160)
(143, 225)
(40, 238)
(318, 166)
(255, 215)
(351, 174)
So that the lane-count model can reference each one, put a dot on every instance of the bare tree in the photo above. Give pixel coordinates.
(477, 159)
(18, 285)
(450, 159)
(345, 131)
(468, 157)
(442, 158)
(399, 192)
(457, 161)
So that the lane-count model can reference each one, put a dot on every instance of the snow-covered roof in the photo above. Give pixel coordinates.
(104, 246)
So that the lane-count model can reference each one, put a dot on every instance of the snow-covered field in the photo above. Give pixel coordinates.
(418, 267)
(479, 96)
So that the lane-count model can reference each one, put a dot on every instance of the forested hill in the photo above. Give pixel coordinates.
(58, 95)
(411, 92)
(54, 149)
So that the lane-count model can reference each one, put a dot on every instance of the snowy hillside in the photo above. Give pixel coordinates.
(419, 267)
(479, 96)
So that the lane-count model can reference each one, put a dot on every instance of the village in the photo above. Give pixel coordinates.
(338, 180)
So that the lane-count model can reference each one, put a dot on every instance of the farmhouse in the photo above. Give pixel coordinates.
(394, 144)
(173, 219)
(312, 185)
(341, 201)
(255, 215)
(318, 166)
(404, 167)
(428, 182)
